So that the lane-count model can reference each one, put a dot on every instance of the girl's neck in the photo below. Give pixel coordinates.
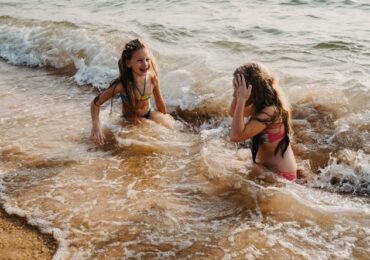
(139, 79)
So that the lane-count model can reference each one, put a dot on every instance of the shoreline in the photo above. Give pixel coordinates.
(20, 240)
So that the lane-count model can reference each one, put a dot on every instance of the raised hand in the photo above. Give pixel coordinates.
(241, 90)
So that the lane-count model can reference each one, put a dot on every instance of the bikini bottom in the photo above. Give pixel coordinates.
(291, 176)
(147, 115)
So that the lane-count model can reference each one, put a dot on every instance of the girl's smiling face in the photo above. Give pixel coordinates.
(140, 62)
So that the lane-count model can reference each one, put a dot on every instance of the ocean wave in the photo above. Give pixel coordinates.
(347, 172)
(334, 45)
(88, 55)
(91, 58)
(230, 46)
(343, 3)
(167, 34)
(296, 2)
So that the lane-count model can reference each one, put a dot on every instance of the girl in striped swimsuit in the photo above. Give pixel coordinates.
(137, 82)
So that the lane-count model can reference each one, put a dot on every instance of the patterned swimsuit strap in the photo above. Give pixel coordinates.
(143, 93)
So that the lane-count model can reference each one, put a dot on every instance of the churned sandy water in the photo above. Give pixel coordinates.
(155, 193)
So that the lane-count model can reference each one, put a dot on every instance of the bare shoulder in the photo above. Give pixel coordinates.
(154, 79)
(118, 88)
(267, 113)
(270, 110)
(113, 89)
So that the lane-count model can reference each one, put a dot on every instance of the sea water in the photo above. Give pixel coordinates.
(155, 193)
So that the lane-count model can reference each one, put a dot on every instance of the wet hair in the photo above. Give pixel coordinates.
(126, 77)
(265, 93)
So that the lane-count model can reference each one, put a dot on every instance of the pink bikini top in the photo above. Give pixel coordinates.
(269, 137)
(269, 134)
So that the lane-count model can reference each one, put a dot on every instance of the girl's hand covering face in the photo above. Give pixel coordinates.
(240, 87)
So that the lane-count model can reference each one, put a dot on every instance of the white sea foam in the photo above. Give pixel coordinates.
(179, 90)
(349, 173)
(353, 120)
(131, 193)
(55, 45)
(45, 227)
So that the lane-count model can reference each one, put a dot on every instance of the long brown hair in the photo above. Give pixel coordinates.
(126, 77)
(265, 93)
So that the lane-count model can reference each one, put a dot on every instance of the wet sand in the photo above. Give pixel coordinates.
(19, 240)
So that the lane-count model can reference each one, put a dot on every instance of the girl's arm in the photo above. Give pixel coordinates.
(241, 131)
(248, 109)
(158, 99)
(96, 132)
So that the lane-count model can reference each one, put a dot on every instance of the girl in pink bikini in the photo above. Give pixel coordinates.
(257, 95)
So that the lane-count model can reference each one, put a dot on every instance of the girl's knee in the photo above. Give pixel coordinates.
(155, 115)
(165, 120)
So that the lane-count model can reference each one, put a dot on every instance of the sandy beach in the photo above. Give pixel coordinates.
(19, 240)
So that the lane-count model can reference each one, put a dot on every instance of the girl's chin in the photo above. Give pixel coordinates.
(141, 73)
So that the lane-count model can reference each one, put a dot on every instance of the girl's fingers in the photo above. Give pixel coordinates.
(101, 139)
(98, 139)
(249, 90)
(240, 80)
(244, 83)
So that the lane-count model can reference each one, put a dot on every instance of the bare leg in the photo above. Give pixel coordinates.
(163, 119)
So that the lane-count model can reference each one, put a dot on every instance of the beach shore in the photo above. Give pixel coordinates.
(19, 240)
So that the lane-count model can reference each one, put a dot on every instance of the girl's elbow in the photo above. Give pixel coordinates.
(93, 105)
(239, 137)
(235, 138)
